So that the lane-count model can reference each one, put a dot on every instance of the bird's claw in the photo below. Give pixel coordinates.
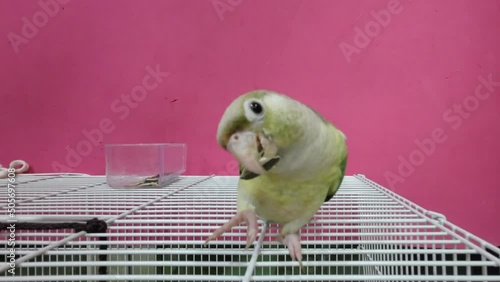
(249, 217)
(292, 241)
(251, 234)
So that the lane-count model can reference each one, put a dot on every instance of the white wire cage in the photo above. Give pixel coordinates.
(364, 233)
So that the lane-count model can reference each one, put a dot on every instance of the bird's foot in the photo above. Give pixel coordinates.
(249, 217)
(292, 241)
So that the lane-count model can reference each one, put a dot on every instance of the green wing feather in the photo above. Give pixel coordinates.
(336, 184)
(343, 163)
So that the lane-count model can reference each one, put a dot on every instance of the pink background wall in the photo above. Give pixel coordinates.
(387, 83)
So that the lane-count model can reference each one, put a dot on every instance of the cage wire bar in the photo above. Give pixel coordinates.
(365, 233)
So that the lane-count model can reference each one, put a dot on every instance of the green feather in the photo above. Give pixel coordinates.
(336, 184)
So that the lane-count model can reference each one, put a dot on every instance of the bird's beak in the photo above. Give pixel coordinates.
(245, 147)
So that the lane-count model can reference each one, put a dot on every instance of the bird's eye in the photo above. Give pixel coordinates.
(256, 108)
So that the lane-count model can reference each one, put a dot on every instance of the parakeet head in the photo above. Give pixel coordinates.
(256, 125)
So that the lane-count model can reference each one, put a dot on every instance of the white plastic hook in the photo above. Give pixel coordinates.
(15, 165)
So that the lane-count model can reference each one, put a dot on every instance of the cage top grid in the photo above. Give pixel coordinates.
(365, 233)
